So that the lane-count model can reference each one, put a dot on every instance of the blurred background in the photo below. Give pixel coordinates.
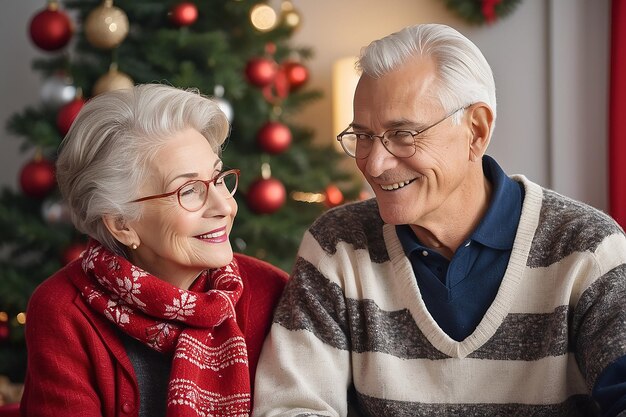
(550, 60)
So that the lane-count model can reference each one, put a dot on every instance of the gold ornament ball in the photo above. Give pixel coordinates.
(106, 26)
(112, 80)
(290, 16)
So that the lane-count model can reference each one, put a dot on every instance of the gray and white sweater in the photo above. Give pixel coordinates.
(352, 325)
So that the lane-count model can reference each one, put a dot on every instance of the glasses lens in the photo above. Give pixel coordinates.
(192, 195)
(227, 183)
(399, 143)
(356, 145)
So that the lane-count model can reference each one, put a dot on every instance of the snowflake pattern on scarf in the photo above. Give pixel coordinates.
(210, 375)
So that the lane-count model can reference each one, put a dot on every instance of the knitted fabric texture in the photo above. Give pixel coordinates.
(352, 321)
(198, 326)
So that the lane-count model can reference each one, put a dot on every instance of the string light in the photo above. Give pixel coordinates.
(308, 197)
(21, 318)
(263, 17)
(289, 15)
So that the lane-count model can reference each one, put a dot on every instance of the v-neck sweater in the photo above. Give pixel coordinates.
(458, 292)
(352, 320)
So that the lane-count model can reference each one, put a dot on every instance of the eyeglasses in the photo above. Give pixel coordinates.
(193, 194)
(399, 143)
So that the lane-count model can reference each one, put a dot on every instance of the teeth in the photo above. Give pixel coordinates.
(395, 186)
(212, 235)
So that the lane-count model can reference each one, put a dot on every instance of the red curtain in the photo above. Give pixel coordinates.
(617, 114)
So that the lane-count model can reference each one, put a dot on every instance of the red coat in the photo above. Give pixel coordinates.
(77, 364)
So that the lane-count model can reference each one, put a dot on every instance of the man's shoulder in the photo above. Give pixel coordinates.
(559, 212)
(352, 214)
(357, 224)
(566, 226)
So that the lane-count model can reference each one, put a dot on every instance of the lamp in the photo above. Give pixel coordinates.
(344, 80)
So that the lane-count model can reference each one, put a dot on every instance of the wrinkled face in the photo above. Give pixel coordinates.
(175, 242)
(429, 186)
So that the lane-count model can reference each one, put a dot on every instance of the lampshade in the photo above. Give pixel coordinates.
(344, 81)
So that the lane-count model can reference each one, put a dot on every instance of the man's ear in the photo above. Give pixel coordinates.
(119, 228)
(481, 121)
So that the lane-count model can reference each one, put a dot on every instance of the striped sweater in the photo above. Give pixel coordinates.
(352, 327)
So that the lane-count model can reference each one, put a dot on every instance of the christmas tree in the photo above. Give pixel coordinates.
(235, 50)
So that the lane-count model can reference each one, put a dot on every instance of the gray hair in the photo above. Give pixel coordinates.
(464, 74)
(103, 160)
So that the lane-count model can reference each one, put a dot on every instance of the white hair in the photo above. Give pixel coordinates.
(104, 159)
(464, 75)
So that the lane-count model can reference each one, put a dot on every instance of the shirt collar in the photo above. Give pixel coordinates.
(498, 227)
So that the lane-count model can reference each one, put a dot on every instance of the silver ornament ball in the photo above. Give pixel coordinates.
(57, 91)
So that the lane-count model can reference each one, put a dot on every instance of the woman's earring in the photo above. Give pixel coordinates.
(134, 246)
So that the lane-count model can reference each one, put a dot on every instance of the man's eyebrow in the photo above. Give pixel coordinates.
(394, 124)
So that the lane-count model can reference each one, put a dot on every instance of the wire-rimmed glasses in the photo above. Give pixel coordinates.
(192, 195)
(398, 142)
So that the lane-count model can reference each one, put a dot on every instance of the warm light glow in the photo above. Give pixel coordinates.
(308, 197)
(345, 79)
(292, 19)
(263, 17)
(266, 171)
(4, 316)
(21, 318)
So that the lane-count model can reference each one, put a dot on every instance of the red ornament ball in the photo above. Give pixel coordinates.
(334, 196)
(4, 331)
(261, 71)
(37, 178)
(72, 252)
(274, 137)
(297, 74)
(67, 114)
(50, 29)
(184, 14)
(265, 196)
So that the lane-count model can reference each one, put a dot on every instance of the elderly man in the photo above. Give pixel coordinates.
(458, 290)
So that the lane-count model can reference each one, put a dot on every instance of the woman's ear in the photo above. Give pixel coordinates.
(481, 120)
(119, 228)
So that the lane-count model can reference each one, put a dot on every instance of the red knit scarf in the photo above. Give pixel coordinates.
(210, 363)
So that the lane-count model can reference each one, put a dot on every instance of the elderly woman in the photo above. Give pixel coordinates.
(158, 317)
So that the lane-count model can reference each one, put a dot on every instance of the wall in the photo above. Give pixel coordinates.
(549, 60)
(19, 86)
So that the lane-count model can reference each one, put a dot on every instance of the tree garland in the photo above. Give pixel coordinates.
(479, 12)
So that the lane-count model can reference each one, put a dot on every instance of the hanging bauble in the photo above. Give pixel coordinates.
(57, 90)
(278, 89)
(297, 74)
(106, 26)
(222, 103)
(183, 14)
(261, 71)
(4, 331)
(37, 178)
(50, 29)
(112, 80)
(274, 137)
(55, 211)
(265, 196)
(72, 252)
(290, 16)
(334, 196)
(67, 114)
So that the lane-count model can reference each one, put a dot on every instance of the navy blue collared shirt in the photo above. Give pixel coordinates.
(457, 293)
